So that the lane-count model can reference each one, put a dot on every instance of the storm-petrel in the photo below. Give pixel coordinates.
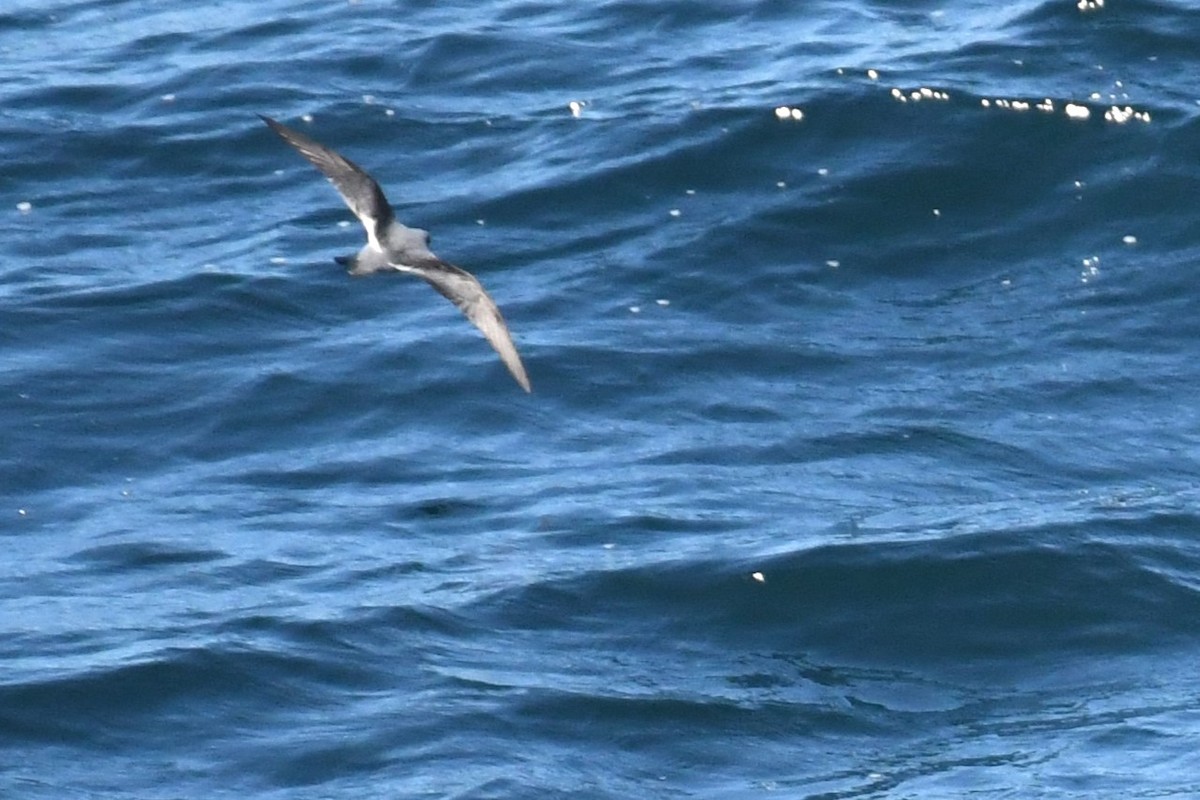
(393, 247)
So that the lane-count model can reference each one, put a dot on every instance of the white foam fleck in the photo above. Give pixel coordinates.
(369, 99)
(1127, 239)
(873, 74)
(662, 301)
(758, 576)
(278, 260)
(576, 107)
(345, 223)
(24, 206)
(307, 118)
(635, 309)
(833, 263)
(1076, 111)
(674, 212)
(1118, 115)
(823, 171)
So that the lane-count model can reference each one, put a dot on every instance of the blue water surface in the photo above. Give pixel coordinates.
(863, 456)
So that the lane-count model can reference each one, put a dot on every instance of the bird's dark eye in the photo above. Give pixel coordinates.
(428, 238)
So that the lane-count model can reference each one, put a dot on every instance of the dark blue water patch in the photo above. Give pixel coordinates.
(656, 737)
(1003, 607)
(943, 445)
(115, 699)
(1147, 28)
(21, 21)
(143, 555)
(981, 600)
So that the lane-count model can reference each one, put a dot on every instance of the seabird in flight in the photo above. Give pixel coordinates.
(393, 247)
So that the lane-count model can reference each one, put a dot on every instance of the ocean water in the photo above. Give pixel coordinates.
(863, 456)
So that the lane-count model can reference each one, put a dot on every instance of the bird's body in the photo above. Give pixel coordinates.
(394, 247)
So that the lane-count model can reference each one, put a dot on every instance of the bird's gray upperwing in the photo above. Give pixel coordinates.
(360, 191)
(461, 288)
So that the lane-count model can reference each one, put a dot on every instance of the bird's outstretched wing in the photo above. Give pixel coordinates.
(360, 191)
(465, 291)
